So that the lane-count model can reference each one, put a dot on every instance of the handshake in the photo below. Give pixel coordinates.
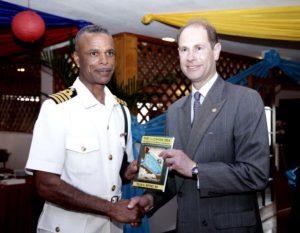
(130, 211)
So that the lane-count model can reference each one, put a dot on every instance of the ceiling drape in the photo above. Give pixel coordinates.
(277, 23)
(58, 29)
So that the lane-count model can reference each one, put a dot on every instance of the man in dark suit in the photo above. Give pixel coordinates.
(221, 153)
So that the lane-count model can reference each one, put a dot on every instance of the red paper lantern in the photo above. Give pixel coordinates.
(28, 26)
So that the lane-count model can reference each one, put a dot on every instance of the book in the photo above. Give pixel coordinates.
(152, 169)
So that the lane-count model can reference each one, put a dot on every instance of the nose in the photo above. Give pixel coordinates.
(190, 55)
(103, 59)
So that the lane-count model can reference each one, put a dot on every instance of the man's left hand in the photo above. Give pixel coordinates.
(131, 170)
(179, 161)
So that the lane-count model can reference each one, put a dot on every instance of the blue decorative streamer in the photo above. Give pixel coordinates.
(271, 59)
(154, 127)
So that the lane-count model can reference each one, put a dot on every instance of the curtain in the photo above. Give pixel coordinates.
(278, 23)
(58, 29)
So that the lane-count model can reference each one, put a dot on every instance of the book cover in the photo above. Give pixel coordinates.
(153, 171)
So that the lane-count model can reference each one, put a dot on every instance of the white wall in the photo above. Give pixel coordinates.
(46, 81)
(286, 94)
(17, 144)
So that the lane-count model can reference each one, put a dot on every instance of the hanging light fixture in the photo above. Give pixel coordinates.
(28, 26)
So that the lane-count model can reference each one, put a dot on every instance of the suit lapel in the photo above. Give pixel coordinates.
(210, 108)
(184, 118)
(185, 121)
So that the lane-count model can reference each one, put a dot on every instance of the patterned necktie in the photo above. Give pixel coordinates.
(197, 104)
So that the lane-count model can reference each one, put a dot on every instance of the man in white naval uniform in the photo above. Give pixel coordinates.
(78, 147)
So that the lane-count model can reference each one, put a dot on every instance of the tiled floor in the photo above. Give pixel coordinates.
(274, 221)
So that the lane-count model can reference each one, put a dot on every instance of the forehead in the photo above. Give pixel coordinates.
(96, 40)
(193, 35)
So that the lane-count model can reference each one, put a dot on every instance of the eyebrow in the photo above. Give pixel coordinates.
(98, 50)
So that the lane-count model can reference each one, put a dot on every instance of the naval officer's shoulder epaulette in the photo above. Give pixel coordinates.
(64, 95)
(120, 101)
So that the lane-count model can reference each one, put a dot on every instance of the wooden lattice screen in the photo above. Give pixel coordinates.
(20, 86)
(159, 74)
(158, 62)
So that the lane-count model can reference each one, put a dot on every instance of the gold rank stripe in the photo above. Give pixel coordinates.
(120, 101)
(64, 95)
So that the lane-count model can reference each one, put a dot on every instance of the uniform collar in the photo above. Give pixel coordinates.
(88, 98)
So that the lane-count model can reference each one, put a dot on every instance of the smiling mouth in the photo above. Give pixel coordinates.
(194, 67)
(104, 70)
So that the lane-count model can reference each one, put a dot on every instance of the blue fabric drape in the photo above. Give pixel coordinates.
(271, 59)
(154, 127)
(291, 176)
(9, 10)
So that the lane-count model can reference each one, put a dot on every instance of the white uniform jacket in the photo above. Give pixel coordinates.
(83, 141)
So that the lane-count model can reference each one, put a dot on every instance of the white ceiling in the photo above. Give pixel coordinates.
(125, 16)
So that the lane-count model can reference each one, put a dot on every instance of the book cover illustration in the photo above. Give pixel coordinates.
(153, 171)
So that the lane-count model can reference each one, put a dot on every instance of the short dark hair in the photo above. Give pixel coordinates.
(210, 29)
(90, 29)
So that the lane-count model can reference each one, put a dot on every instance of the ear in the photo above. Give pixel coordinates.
(217, 51)
(76, 59)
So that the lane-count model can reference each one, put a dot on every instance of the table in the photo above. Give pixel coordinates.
(20, 207)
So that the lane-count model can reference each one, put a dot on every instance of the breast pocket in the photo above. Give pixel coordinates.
(82, 154)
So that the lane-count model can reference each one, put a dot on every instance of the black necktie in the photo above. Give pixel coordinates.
(197, 104)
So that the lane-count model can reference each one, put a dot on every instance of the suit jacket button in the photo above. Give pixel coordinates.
(57, 229)
(180, 194)
(204, 223)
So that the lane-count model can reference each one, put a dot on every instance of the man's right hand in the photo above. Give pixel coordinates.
(120, 212)
(145, 203)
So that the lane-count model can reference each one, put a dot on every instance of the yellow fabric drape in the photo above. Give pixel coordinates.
(279, 23)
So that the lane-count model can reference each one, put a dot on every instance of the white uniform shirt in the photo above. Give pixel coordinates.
(82, 140)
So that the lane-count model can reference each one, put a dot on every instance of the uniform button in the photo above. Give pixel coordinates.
(204, 223)
(83, 149)
(113, 188)
(110, 157)
(57, 229)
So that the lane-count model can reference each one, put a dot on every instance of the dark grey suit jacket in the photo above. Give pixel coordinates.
(229, 140)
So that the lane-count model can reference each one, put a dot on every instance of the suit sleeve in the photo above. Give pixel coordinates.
(243, 164)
